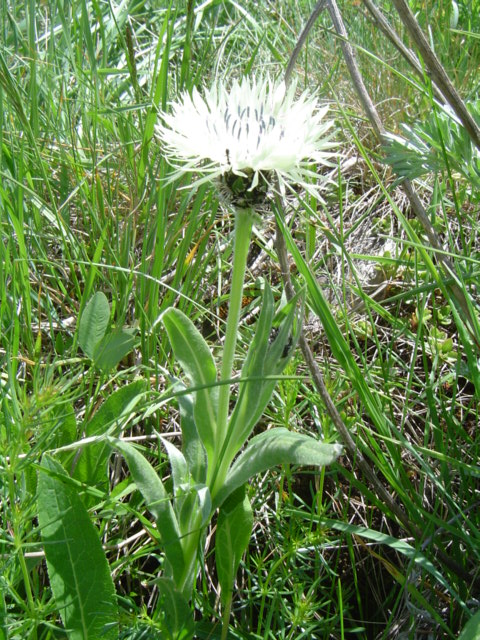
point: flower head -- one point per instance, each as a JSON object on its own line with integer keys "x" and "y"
{"x": 246, "y": 136}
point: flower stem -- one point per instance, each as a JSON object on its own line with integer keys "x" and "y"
{"x": 243, "y": 231}
{"x": 226, "y": 619}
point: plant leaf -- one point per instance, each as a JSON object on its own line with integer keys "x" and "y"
{"x": 112, "y": 348}
{"x": 93, "y": 323}
{"x": 157, "y": 502}
{"x": 192, "y": 447}
{"x": 471, "y": 631}
{"x": 267, "y": 356}
{"x": 196, "y": 359}
{"x": 194, "y": 509}
{"x": 77, "y": 567}
{"x": 271, "y": 448}
{"x": 178, "y": 617}
{"x": 92, "y": 462}
{"x": 234, "y": 528}
{"x": 178, "y": 464}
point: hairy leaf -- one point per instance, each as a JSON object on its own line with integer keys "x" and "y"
{"x": 234, "y": 528}
{"x": 77, "y": 567}
{"x": 271, "y": 448}
{"x": 157, "y": 502}
{"x": 196, "y": 359}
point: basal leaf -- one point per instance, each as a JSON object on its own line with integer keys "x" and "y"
{"x": 93, "y": 323}
{"x": 178, "y": 464}
{"x": 178, "y": 617}
{"x": 157, "y": 502}
{"x": 234, "y": 528}
{"x": 77, "y": 567}
{"x": 112, "y": 348}
{"x": 192, "y": 446}
{"x": 92, "y": 462}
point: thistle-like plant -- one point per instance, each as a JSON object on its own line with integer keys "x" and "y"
{"x": 250, "y": 140}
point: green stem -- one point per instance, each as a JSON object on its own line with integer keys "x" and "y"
{"x": 226, "y": 618}
{"x": 243, "y": 231}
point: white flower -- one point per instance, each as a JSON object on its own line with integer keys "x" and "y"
{"x": 245, "y": 135}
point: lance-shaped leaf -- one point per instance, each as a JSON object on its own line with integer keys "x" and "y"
{"x": 157, "y": 502}
{"x": 178, "y": 464}
{"x": 77, "y": 567}
{"x": 178, "y": 617}
{"x": 267, "y": 356}
{"x": 196, "y": 359}
{"x": 192, "y": 502}
{"x": 271, "y": 448}
{"x": 234, "y": 528}
{"x": 192, "y": 447}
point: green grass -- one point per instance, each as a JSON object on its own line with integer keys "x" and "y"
{"x": 83, "y": 208}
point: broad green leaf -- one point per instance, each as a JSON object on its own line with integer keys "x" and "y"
{"x": 91, "y": 465}
{"x": 234, "y": 528}
{"x": 192, "y": 447}
{"x": 178, "y": 616}
{"x": 271, "y": 448}
{"x": 157, "y": 502}
{"x": 471, "y": 631}
{"x": 77, "y": 567}
{"x": 112, "y": 348}
{"x": 196, "y": 359}
{"x": 93, "y": 323}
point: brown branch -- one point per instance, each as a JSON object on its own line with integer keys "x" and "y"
{"x": 281, "y": 249}
{"x": 301, "y": 40}
{"x": 436, "y": 70}
{"x": 379, "y": 129}
{"x": 407, "y": 53}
